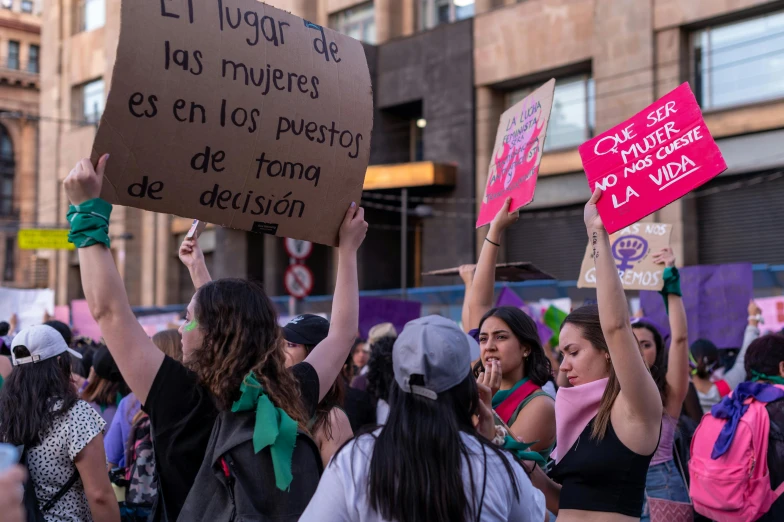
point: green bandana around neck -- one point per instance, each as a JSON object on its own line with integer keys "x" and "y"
{"x": 501, "y": 395}
{"x": 274, "y": 428}
{"x": 775, "y": 379}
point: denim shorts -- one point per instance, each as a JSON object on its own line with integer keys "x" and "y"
{"x": 664, "y": 481}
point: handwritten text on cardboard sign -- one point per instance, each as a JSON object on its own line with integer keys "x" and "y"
{"x": 238, "y": 114}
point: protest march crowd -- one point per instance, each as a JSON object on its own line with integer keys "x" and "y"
{"x": 232, "y": 417}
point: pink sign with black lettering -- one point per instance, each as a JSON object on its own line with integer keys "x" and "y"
{"x": 651, "y": 159}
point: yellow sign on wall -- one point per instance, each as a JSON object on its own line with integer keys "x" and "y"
{"x": 43, "y": 238}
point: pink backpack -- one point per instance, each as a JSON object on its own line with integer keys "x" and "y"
{"x": 735, "y": 487}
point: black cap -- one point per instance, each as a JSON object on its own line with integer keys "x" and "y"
{"x": 307, "y": 329}
{"x": 104, "y": 365}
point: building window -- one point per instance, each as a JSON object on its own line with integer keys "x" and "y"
{"x": 741, "y": 62}
{"x": 436, "y": 12}
{"x": 13, "y": 54}
{"x": 358, "y": 22}
{"x": 89, "y": 99}
{"x": 7, "y": 172}
{"x": 10, "y": 250}
{"x": 32, "y": 60}
{"x": 572, "y": 120}
{"x": 27, "y": 6}
{"x": 90, "y": 15}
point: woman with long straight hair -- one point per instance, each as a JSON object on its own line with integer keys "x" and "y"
{"x": 670, "y": 372}
{"x": 609, "y": 421}
{"x": 61, "y": 434}
{"x": 229, "y": 422}
{"x": 429, "y": 462}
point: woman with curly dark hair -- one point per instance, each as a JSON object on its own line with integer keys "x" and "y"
{"x": 228, "y": 424}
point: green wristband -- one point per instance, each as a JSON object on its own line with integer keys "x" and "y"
{"x": 89, "y": 223}
{"x": 672, "y": 285}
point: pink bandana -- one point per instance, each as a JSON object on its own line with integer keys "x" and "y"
{"x": 574, "y": 409}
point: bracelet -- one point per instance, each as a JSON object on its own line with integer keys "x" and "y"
{"x": 89, "y": 223}
{"x": 492, "y": 242}
{"x": 757, "y": 318}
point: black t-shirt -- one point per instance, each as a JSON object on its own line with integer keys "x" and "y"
{"x": 182, "y": 413}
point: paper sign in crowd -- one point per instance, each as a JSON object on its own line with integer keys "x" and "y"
{"x": 519, "y": 143}
{"x": 633, "y": 249}
{"x": 238, "y": 114}
{"x": 651, "y": 159}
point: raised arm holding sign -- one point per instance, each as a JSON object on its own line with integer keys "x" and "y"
{"x": 238, "y": 114}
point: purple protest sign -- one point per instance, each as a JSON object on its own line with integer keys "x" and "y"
{"x": 373, "y": 311}
{"x": 716, "y": 298}
{"x": 509, "y": 297}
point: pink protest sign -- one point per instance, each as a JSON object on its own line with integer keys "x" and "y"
{"x": 63, "y": 314}
{"x": 83, "y": 322}
{"x": 517, "y": 153}
{"x": 651, "y": 160}
{"x": 772, "y": 313}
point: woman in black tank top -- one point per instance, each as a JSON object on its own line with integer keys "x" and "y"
{"x": 609, "y": 422}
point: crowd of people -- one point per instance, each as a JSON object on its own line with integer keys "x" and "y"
{"x": 233, "y": 417}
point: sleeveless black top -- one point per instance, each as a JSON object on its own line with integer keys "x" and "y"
{"x": 602, "y": 475}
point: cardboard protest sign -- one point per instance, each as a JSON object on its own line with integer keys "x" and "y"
{"x": 239, "y": 114}
{"x": 517, "y": 153}
{"x": 716, "y": 298}
{"x": 517, "y": 271}
{"x": 772, "y": 313}
{"x": 633, "y": 249}
{"x": 651, "y": 160}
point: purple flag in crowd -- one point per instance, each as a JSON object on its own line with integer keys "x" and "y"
{"x": 509, "y": 297}
{"x": 373, "y": 311}
{"x": 716, "y": 298}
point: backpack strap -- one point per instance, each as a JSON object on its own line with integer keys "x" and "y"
{"x": 509, "y": 405}
{"x": 57, "y": 496}
{"x": 63, "y": 490}
{"x": 525, "y": 402}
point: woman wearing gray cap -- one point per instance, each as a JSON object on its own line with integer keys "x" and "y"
{"x": 429, "y": 462}
{"x": 61, "y": 434}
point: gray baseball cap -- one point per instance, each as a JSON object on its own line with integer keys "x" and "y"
{"x": 43, "y": 342}
{"x": 435, "y": 348}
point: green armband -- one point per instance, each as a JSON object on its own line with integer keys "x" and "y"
{"x": 672, "y": 285}
{"x": 89, "y": 223}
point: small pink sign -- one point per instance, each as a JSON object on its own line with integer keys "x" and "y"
{"x": 772, "y": 313}
{"x": 517, "y": 154}
{"x": 652, "y": 159}
{"x": 63, "y": 314}
{"x": 83, "y": 322}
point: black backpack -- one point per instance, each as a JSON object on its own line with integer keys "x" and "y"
{"x": 35, "y": 511}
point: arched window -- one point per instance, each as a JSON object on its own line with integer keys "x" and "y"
{"x": 7, "y": 171}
